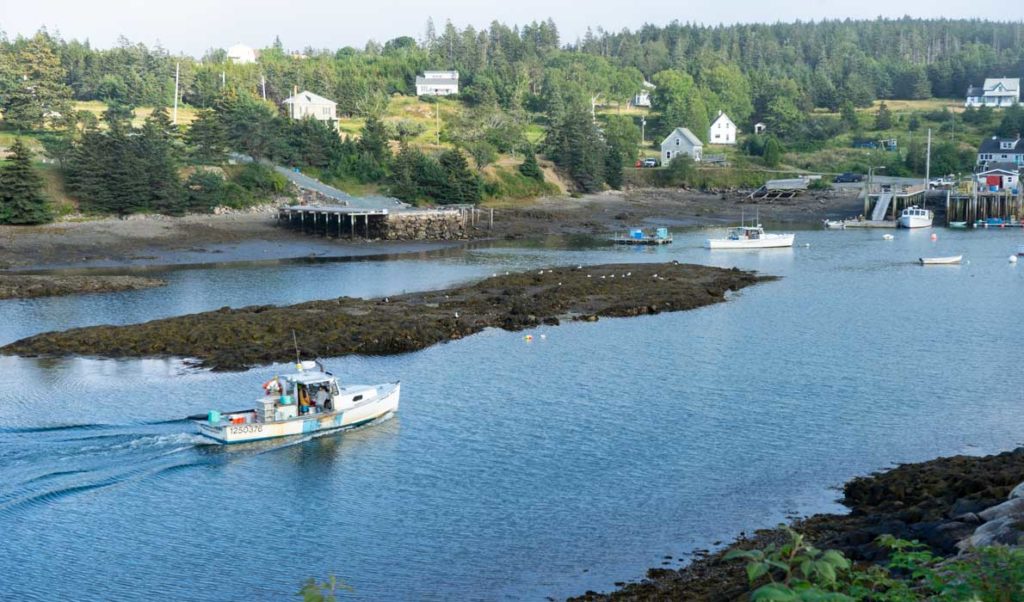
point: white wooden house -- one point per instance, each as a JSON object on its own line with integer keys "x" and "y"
{"x": 1001, "y": 150}
{"x": 681, "y": 142}
{"x": 996, "y": 92}
{"x": 722, "y": 130}
{"x": 437, "y": 83}
{"x": 241, "y": 54}
{"x": 306, "y": 104}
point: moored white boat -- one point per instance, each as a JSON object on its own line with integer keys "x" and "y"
{"x": 915, "y": 217}
{"x": 954, "y": 259}
{"x": 833, "y": 224}
{"x": 750, "y": 237}
{"x": 308, "y": 401}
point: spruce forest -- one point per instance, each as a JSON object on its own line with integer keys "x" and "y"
{"x": 524, "y": 91}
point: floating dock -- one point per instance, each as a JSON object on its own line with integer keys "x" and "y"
{"x": 637, "y": 236}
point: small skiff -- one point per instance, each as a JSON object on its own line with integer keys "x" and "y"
{"x": 955, "y": 259}
{"x": 958, "y": 225}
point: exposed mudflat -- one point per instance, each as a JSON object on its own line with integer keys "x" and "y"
{"x": 18, "y": 286}
{"x": 231, "y": 339}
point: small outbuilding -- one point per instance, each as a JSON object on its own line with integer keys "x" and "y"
{"x": 681, "y": 142}
{"x": 760, "y": 127}
{"x": 722, "y": 130}
{"x": 998, "y": 177}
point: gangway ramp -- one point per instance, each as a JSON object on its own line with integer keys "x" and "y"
{"x": 878, "y": 213}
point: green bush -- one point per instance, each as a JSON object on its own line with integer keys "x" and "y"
{"x": 799, "y": 572}
{"x": 261, "y": 180}
{"x": 511, "y": 184}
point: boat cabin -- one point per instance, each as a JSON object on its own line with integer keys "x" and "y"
{"x": 916, "y": 211}
{"x": 746, "y": 233}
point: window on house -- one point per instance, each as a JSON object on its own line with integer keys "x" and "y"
{"x": 677, "y": 141}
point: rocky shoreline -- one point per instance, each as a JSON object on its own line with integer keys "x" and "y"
{"x": 952, "y": 505}
{"x": 19, "y": 286}
{"x": 233, "y": 339}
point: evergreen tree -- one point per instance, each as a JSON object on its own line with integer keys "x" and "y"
{"x": 404, "y": 172}
{"x": 772, "y": 152}
{"x": 883, "y": 118}
{"x": 848, "y": 116}
{"x": 530, "y": 168}
{"x": 613, "y": 168}
{"x": 207, "y": 138}
{"x": 21, "y": 197}
{"x": 36, "y": 92}
{"x": 158, "y": 155}
{"x": 462, "y": 186}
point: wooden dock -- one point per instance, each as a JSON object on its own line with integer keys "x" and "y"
{"x": 334, "y": 220}
{"x": 339, "y": 221}
{"x": 978, "y": 207}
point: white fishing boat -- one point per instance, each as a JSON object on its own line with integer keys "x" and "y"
{"x": 750, "y": 237}
{"x": 952, "y": 260}
{"x": 915, "y": 217}
{"x": 830, "y": 224}
{"x": 309, "y": 401}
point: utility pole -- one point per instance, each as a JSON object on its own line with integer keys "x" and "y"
{"x": 223, "y": 79}
{"x": 177, "y": 73}
{"x": 928, "y": 161}
{"x": 263, "y": 85}
{"x": 643, "y": 124}
{"x": 437, "y": 121}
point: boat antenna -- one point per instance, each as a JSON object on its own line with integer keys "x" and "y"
{"x": 295, "y": 341}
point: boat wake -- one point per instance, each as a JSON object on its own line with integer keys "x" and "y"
{"x": 44, "y": 465}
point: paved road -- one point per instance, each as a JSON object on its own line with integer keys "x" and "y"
{"x": 307, "y": 183}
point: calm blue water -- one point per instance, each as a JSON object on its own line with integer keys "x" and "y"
{"x": 513, "y": 470}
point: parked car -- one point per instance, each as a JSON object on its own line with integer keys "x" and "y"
{"x": 848, "y": 177}
{"x": 944, "y": 182}
{"x": 649, "y": 162}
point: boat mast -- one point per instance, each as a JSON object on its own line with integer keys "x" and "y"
{"x": 927, "y": 169}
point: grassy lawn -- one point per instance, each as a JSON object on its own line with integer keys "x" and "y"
{"x": 186, "y": 114}
{"x": 411, "y": 109}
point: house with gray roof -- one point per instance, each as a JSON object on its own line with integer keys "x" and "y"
{"x": 437, "y": 83}
{"x": 681, "y": 142}
{"x": 1001, "y": 150}
{"x": 996, "y": 92}
{"x": 306, "y": 104}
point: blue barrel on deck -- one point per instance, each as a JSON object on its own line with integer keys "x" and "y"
{"x": 636, "y": 234}
{"x": 662, "y": 233}
{"x": 213, "y": 417}
{"x": 286, "y": 400}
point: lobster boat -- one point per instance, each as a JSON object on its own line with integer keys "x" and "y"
{"x": 311, "y": 400}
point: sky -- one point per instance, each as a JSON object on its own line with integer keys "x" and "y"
{"x": 193, "y": 26}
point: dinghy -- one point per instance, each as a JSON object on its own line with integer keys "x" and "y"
{"x": 955, "y": 259}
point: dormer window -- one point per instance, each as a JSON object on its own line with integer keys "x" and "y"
{"x": 1007, "y": 144}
